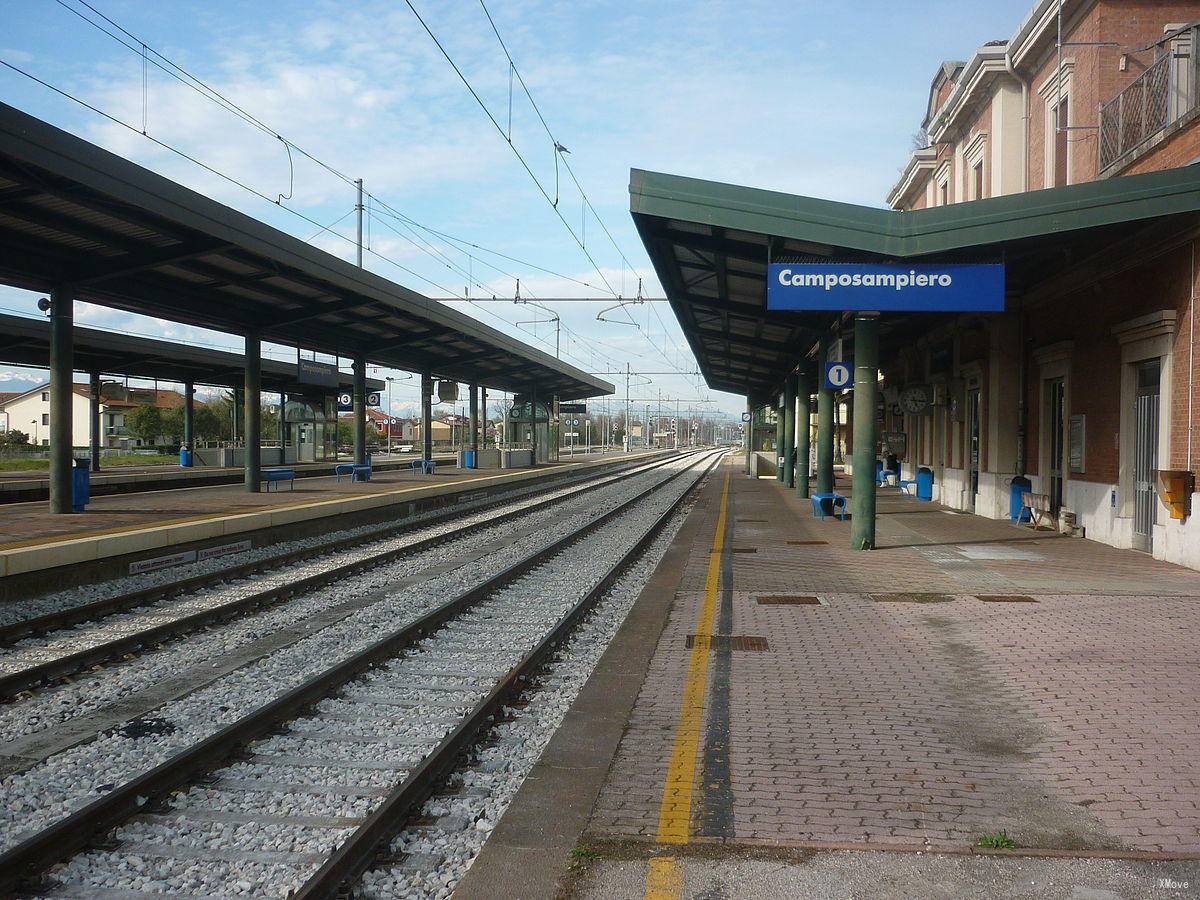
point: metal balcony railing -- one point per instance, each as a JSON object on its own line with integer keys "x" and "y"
{"x": 1160, "y": 96}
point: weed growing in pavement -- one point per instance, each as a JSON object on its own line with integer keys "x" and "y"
{"x": 583, "y": 854}
{"x": 997, "y": 841}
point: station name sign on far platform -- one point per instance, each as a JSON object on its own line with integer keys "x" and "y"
{"x": 918, "y": 287}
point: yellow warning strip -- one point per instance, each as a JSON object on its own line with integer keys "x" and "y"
{"x": 664, "y": 881}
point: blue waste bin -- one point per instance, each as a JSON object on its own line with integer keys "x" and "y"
{"x": 1016, "y": 487}
{"x": 468, "y": 459}
{"x": 185, "y": 457}
{"x": 924, "y": 483}
{"x": 81, "y": 485}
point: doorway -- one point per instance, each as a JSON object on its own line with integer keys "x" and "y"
{"x": 1056, "y": 397}
{"x": 1145, "y": 502}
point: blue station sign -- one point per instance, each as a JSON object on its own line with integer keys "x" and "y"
{"x": 919, "y": 287}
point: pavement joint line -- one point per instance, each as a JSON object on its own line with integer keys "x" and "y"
{"x": 664, "y": 879}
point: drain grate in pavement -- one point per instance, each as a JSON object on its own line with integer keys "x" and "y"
{"x": 789, "y": 600}
{"x": 740, "y": 519}
{"x": 744, "y": 550}
{"x": 806, "y": 543}
{"x": 911, "y": 598}
{"x": 1004, "y": 598}
{"x": 732, "y": 642}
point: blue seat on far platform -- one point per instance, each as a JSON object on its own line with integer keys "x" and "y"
{"x": 274, "y": 476}
{"x": 426, "y": 466}
{"x": 355, "y": 471}
{"x": 837, "y": 504}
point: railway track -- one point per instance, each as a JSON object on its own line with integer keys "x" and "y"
{"x": 48, "y": 664}
{"x": 302, "y": 792}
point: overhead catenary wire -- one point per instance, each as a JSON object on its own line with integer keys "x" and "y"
{"x": 149, "y": 56}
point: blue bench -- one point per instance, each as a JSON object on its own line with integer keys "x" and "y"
{"x": 905, "y": 483}
{"x": 355, "y": 471}
{"x": 834, "y": 500}
{"x": 274, "y": 476}
{"x": 881, "y": 477}
{"x": 427, "y": 466}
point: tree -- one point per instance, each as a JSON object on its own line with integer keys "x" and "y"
{"x": 145, "y": 422}
{"x": 210, "y": 424}
{"x": 13, "y": 440}
{"x": 172, "y": 424}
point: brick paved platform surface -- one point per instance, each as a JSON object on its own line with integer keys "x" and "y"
{"x": 885, "y": 717}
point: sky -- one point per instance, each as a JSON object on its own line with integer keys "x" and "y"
{"x": 814, "y": 98}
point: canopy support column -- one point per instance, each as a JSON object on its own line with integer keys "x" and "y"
{"x": 824, "y": 427}
{"x": 779, "y": 437}
{"x": 62, "y": 352}
{"x": 94, "y": 435}
{"x": 483, "y": 424}
{"x": 866, "y": 386}
{"x": 473, "y": 444}
{"x": 360, "y": 410}
{"x": 426, "y": 416}
{"x": 533, "y": 403}
{"x": 803, "y": 432}
{"x": 789, "y": 431}
{"x": 750, "y": 437}
{"x": 189, "y": 415}
{"x": 253, "y": 413}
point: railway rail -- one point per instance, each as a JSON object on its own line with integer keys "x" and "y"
{"x": 54, "y": 666}
{"x": 373, "y": 734}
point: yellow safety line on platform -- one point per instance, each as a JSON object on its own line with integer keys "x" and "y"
{"x": 664, "y": 881}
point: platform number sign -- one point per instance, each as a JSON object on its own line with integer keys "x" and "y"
{"x": 746, "y": 417}
{"x": 838, "y": 375}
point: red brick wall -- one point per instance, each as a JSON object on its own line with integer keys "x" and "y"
{"x": 1186, "y": 376}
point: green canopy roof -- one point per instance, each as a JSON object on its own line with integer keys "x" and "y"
{"x": 710, "y": 244}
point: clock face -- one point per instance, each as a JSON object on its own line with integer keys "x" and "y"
{"x": 914, "y": 399}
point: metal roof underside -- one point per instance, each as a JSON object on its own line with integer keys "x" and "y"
{"x": 710, "y": 243}
{"x": 129, "y": 239}
{"x": 26, "y": 342}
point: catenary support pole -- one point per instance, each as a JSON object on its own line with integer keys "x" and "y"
{"x": 95, "y": 441}
{"x": 789, "y": 431}
{"x": 824, "y": 427}
{"x": 360, "y": 410}
{"x": 533, "y": 404}
{"x": 866, "y": 385}
{"x": 62, "y": 323}
{"x": 282, "y": 429}
{"x": 253, "y": 413}
{"x": 426, "y": 416}
{"x": 803, "y": 432}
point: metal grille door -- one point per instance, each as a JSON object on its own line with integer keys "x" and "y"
{"x": 1145, "y": 456}
{"x": 1056, "y": 399}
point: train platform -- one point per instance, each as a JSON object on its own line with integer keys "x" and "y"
{"x": 147, "y": 528}
{"x": 30, "y": 486}
{"x": 974, "y": 708}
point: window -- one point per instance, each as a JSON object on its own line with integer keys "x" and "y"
{"x": 1061, "y": 118}
{"x": 45, "y": 396}
{"x": 944, "y": 194}
{"x": 977, "y": 175}
{"x": 45, "y": 418}
{"x": 45, "y": 442}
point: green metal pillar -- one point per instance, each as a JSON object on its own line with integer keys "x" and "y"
{"x": 866, "y": 386}
{"x": 789, "y": 431}
{"x": 252, "y": 398}
{"x": 750, "y": 470}
{"x": 359, "y": 369}
{"x": 779, "y": 438}
{"x": 803, "y": 432}
{"x": 62, "y": 350}
{"x": 824, "y": 427}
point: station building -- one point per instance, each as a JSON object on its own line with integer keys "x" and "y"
{"x": 1088, "y": 386}
{"x": 1067, "y": 154}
